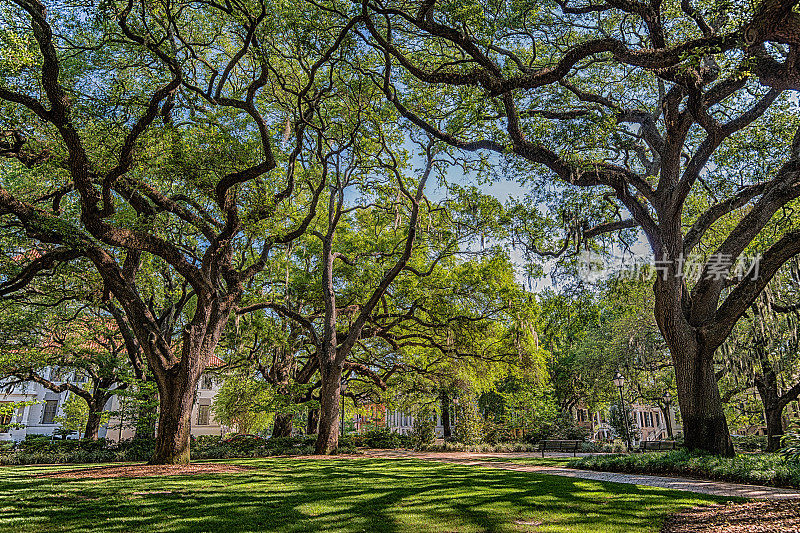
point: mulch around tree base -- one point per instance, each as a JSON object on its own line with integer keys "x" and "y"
{"x": 753, "y": 517}
{"x": 145, "y": 471}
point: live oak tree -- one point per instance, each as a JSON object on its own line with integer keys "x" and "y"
{"x": 762, "y": 352}
{"x": 573, "y": 333}
{"x": 274, "y": 365}
{"x": 378, "y": 183}
{"x": 374, "y": 277}
{"x": 162, "y": 142}
{"x": 458, "y": 317}
{"x": 242, "y": 403}
{"x": 665, "y": 116}
{"x": 56, "y": 332}
{"x": 67, "y": 350}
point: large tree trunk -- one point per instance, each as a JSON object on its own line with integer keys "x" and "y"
{"x": 774, "y": 415}
{"x": 177, "y": 384}
{"x": 282, "y": 427}
{"x": 93, "y": 420}
{"x": 704, "y": 424}
{"x": 446, "y": 431}
{"x": 766, "y": 383}
{"x": 176, "y": 397}
{"x": 684, "y": 327}
{"x": 330, "y": 370}
{"x": 313, "y": 422}
{"x": 330, "y": 394}
{"x": 767, "y": 387}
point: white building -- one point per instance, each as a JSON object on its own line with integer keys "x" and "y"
{"x": 39, "y": 417}
{"x": 649, "y": 423}
{"x": 397, "y": 421}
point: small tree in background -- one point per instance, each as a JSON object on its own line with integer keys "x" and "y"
{"x": 75, "y": 414}
{"x": 627, "y": 433}
{"x": 468, "y": 420}
{"x": 243, "y": 403}
{"x": 423, "y": 430}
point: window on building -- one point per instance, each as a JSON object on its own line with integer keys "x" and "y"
{"x": 207, "y": 383}
{"x": 80, "y": 377}
{"x": 203, "y": 415}
{"x": 49, "y": 412}
{"x": 56, "y": 374}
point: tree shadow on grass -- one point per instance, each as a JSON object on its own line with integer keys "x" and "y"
{"x": 337, "y": 495}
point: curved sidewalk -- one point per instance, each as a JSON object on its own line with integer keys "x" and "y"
{"x": 715, "y": 488}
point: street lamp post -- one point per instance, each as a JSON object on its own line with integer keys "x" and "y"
{"x": 667, "y": 413}
{"x": 619, "y": 381}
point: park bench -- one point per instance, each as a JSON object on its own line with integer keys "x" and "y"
{"x": 565, "y": 446}
{"x": 657, "y": 445}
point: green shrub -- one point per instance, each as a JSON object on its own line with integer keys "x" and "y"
{"x": 750, "y": 443}
{"x": 560, "y": 428}
{"x": 495, "y": 431}
{"x": 381, "y": 438}
{"x": 376, "y": 437}
{"x": 469, "y": 424}
{"x": 791, "y": 445}
{"x": 46, "y": 444}
{"x": 482, "y": 448}
{"x": 758, "y": 469}
{"x": 423, "y": 432}
{"x": 140, "y": 449}
{"x": 602, "y": 447}
{"x": 46, "y": 451}
{"x": 290, "y": 443}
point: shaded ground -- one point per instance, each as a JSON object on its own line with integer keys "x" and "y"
{"x": 107, "y": 472}
{"x": 332, "y": 495}
{"x": 751, "y": 517}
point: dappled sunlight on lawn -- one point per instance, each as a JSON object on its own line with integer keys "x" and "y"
{"x": 292, "y": 495}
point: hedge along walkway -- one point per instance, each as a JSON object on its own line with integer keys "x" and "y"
{"x": 714, "y": 488}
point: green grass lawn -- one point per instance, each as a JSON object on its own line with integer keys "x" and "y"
{"x": 290, "y": 495}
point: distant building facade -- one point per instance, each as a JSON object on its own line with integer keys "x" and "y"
{"x": 395, "y": 420}
{"x": 649, "y": 423}
{"x": 39, "y": 418}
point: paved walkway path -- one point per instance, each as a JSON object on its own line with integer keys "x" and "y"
{"x": 716, "y": 488}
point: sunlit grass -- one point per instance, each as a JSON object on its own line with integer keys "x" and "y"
{"x": 758, "y": 468}
{"x": 293, "y": 495}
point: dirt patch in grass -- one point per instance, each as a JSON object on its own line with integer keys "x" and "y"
{"x": 106, "y": 472}
{"x": 752, "y": 517}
